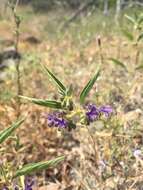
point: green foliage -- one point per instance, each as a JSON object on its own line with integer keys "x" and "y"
{"x": 89, "y": 86}
{"x": 66, "y": 93}
{"x": 34, "y": 167}
{"x": 140, "y": 67}
{"x": 117, "y": 62}
{"x": 137, "y": 25}
{"x": 45, "y": 103}
{"x": 7, "y": 132}
{"x": 131, "y": 19}
{"x": 140, "y": 37}
{"x": 8, "y": 172}
{"x": 61, "y": 87}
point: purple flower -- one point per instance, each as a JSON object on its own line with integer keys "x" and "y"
{"x": 92, "y": 112}
{"x": 28, "y": 184}
{"x": 56, "y": 119}
{"x": 107, "y": 110}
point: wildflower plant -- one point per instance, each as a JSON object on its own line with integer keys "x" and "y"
{"x": 137, "y": 25}
{"x": 10, "y": 172}
{"x": 136, "y": 34}
{"x": 17, "y": 20}
{"x": 68, "y": 113}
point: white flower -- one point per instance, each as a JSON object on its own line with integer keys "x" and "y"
{"x": 137, "y": 153}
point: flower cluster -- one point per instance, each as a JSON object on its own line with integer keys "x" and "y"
{"x": 92, "y": 113}
{"x": 28, "y": 184}
{"x": 56, "y": 119}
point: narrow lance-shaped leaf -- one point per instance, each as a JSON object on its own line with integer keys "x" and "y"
{"x": 34, "y": 167}
{"x": 140, "y": 21}
{"x": 131, "y": 19}
{"x": 46, "y": 103}
{"x": 140, "y": 37}
{"x": 60, "y": 85}
{"x": 7, "y": 132}
{"x": 117, "y": 62}
{"x": 139, "y": 67}
{"x": 88, "y": 87}
{"x": 136, "y": 16}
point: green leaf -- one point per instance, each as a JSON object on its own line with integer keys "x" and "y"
{"x": 136, "y": 16}
{"x": 7, "y": 132}
{"x": 131, "y": 19}
{"x": 88, "y": 87}
{"x": 34, "y": 167}
{"x": 139, "y": 67}
{"x": 117, "y": 62}
{"x": 140, "y": 37}
{"x": 128, "y": 35}
{"x": 61, "y": 87}
{"x": 46, "y": 103}
{"x": 69, "y": 91}
{"x": 140, "y": 21}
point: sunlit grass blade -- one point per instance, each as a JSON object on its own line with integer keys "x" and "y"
{"x": 139, "y": 67}
{"x": 60, "y": 85}
{"x": 34, "y": 167}
{"x": 88, "y": 87}
{"x": 131, "y": 19}
{"x": 140, "y": 21}
{"x": 140, "y": 37}
{"x": 46, "y": 103}
{"x": 117, "y": 62}
{"x": 128, "y": 35}
{"x": 7, "y": 132}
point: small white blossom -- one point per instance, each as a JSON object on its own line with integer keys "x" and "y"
{"x": 137, "y": 153}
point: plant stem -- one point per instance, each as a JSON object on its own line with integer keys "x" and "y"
{"x": 17, "y": 21}
{"x": 100, "y": 50}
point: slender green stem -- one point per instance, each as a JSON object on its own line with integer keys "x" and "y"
{"x": 17, "y": 21}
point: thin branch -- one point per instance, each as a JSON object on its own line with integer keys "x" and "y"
{"x": 81, "y": 9}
